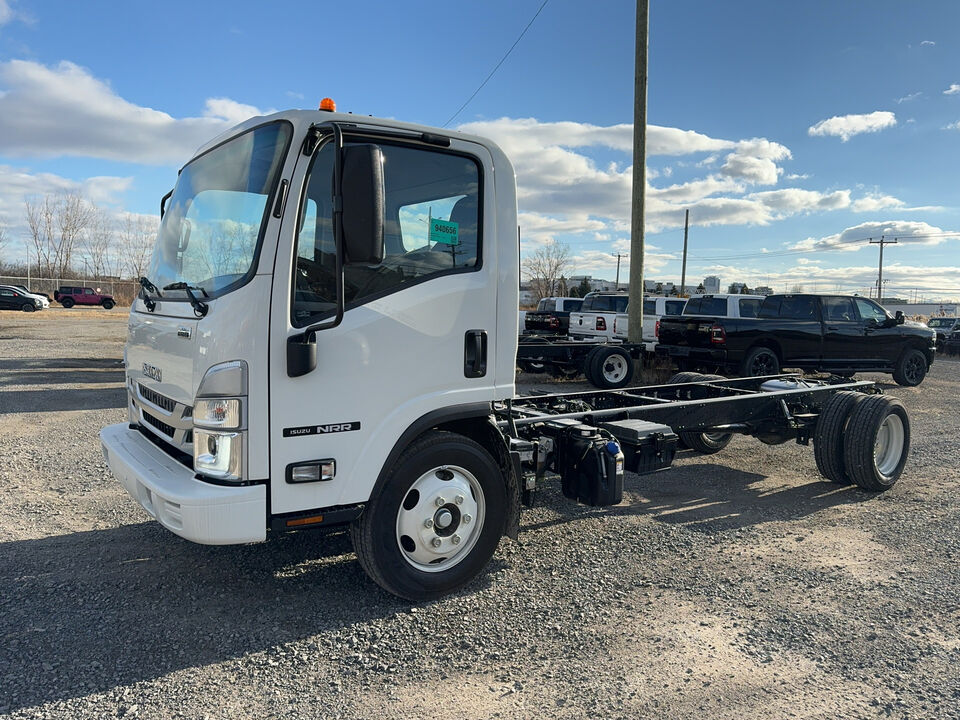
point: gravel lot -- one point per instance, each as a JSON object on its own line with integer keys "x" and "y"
{"x": 734, "y": 586}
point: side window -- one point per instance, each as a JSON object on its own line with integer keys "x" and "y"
{"x": 572, "y": 305}
{"x": 431, "y": 228}
{"x": 7, "y": 293}
{"x": 620, "y": 303}
{"x": 838, "y": 309}
{"x": 649, "y": 307}
{"x": 749, "y": 307}
{"x": 88, "y": 291}
{"x": 547, "y": 305}
{"x": 869, "y": 310}
{"x": 675, "y": 307}
{"x": 799, "y": 307}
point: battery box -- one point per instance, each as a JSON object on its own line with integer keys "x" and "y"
{"x": 647, "y": 446}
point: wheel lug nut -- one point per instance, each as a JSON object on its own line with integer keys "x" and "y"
{"x": 466, "y": 519}
{"x": 436, "y": 542}
{"x": 455, "y": 539}
{"x": 428, "y": 523}
{"x": 440, "y": 502}
{"x": 459, "y": 500}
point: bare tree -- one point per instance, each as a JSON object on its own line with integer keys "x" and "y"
{"x": 56, "y": 224}
{"x": 99, "y": 244}
{"x": 135, "y": 237}
{"x": 545, "y": 267}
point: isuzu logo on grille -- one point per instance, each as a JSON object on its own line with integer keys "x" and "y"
{"x": 152, "y": 371}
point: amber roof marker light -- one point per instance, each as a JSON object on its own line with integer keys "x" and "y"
{"x": 328, "y": 104}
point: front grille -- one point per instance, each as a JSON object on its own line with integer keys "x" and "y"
{"x": 167, "y": 430}
{"x": 157, "y": 399}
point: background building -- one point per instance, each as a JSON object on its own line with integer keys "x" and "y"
{"x": 711, "y": 284}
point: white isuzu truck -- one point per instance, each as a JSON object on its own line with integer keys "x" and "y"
{"x": 327, "y": 336}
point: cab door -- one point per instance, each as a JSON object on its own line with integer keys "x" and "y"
{"x": 418, "y": 334}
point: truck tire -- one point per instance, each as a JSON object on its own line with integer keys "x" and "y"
{"x": 67, "y": 303}
{"x": 434, "y": 520}
{"x": 612, "y": 368}
{"x": 878, "y": 442}
{"x": 588, "y": 366}
{"x": 760, "y": 361}
{"x": 703, "y": 442}
{"x": 107, "y": 304}
{"x": 28, "y": 307}
{"x": 911, "y": 368}
{"x": 830, "y": 433}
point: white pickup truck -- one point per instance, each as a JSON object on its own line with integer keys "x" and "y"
{"x": 596, "y": 316}
{"x": 653, "y": 309}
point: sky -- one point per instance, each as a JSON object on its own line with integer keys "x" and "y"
{"x": 793, "y": 132}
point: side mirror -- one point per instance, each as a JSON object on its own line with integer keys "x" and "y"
{"x": 363, "y": 205}
{"x": 899, "y": 317}
{"x": 872, "y": 322}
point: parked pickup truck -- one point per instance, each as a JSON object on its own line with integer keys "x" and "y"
{"x": 596, "y": 316}
{"x": 552, "y": 316}
{"x": 943, "y": 326}
{"x": 70, "y": 296}
{"x": 835, "y": 333}
{"x": 653, "y": 309}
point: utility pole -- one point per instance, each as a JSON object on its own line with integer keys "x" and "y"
{"x": 635, "y": 307}
{"x": 618, "y": 270}
{"x": 881, "y": 242}
{"x": 683, "y": 272}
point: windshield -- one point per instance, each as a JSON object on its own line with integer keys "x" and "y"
{"x": 211, "y": 231}
{"x": 941, "y": 322}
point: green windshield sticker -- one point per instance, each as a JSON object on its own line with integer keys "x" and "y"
{"x": 444, "y": 231}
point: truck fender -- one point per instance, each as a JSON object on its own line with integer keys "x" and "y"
{"x": 472, "y": 420}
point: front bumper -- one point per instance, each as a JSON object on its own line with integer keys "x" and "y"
{"x": 196, "y": 510}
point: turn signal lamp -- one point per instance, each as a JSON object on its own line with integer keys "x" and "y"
{"x": 328, "y": 104}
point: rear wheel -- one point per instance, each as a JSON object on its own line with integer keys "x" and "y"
{"x": 878, "y": 442}
{"x": 829, "y": 436}
{"x": 588, "y": 366}
{"x": 28, "y": 307}
{"x": 759, "y": 362}
{"x": 67, "y": 303}
{"x": 707, "y": 443}
{"x": 612, "y": 368}
{"x": 435, "y": 521}
{"x": 911, "y": 368}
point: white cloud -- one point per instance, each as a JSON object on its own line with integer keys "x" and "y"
{"x": 846, "y": 126}
{"x": 908, "y": 98}
{"x": 953, "y": 89}
{"x": 64, "y": 110}
{"x": 952, "y": 126}
{"x": 6, "y": 13}
{"x": 856, "y": 237}
{"x": 794, "y": 201}
{"x": 872, "y": 203}
{"x": 927, "y": 42}
{"x": 797, "y": 176}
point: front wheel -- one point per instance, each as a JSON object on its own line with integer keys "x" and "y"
{"x": 434, "y": 522}
{"x": 107, "y": 304}
{"x": 28, "y": 307}
{"x": 612, "y": 368}
{"x": 67, "y": 303}
{"x": 911, "y": 368}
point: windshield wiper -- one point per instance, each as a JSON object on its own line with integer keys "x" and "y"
{"x": 199, "y": 307}
{"x": 145, "y": 286}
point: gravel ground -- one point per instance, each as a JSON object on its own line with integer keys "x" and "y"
{"x": 737, "y": 585}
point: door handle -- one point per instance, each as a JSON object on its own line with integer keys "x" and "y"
{"x": 475, "y": 353}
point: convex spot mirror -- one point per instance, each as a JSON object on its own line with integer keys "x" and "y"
{"x": 363, "y": 205}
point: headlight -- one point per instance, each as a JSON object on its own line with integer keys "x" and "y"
{"x": 219, "y": 421}
{"x": 218, "y": 454}
{"x": 218, "y": 413}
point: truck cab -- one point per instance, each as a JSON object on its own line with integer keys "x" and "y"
{"x": 325, "y": 292}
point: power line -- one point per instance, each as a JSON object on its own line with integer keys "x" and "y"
{"x": 516, "y": 42}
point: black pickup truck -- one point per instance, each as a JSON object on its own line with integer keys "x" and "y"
{"x": 552, "y": 316}
{"x": 834, "y": 333}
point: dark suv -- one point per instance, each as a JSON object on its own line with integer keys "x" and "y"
{"x": 68, "y": 296}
